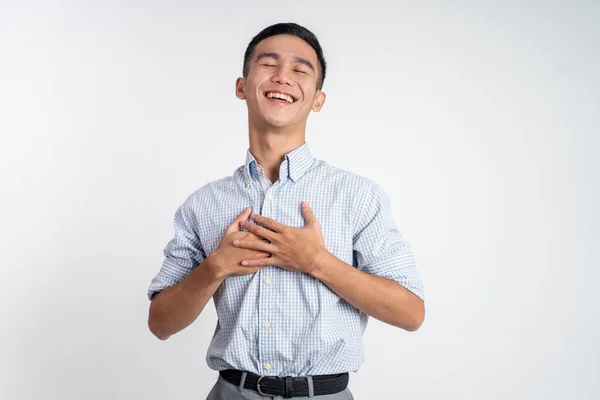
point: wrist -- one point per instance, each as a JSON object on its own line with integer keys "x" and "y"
{"x": 215, "y": 266}
{"x": 320, "y": 262}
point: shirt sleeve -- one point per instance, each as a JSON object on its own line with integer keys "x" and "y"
{"x": 184, "y": 251}
{"x": 379, "y": 248}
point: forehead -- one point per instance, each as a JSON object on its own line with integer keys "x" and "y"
{"x": 287, "y": 46}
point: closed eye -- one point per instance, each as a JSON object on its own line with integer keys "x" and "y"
{"x": 302, "y": 72}
{"x": 269, "y": 65}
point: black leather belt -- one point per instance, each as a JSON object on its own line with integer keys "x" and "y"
{"x": 289, "y": 386}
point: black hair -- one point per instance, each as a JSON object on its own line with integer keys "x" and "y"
{"x": 288, "y": 28}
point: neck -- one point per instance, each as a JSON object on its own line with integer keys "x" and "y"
{"x": 269, "y": 146}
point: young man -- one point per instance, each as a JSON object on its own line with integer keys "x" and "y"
{"x": 294, "y": 276}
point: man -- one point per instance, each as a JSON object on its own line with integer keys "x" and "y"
{"x": 294, "y": 276}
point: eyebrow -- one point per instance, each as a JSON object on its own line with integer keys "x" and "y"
{"x": 294, "y": 59}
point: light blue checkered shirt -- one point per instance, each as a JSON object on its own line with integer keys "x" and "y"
{"x": 278, "y": 322}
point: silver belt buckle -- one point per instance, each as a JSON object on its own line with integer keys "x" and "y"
{"x": 258, "y": 387}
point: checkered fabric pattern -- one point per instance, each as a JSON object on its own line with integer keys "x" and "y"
{"x": 277, "y": 322}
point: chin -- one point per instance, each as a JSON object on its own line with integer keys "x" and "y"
{"x": 281, "y": 122}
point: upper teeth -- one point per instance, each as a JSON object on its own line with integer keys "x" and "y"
{"x": 280, "y": 96}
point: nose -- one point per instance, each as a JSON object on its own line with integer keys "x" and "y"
{"x": 282, "y": 75}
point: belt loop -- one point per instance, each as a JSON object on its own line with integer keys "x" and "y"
{"x": 311, "y": 391}
{"x": 242, "y": 381}
{"x": 288, "y": 387}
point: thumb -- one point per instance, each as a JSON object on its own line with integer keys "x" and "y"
{"x": 235, "y": 225}
{"x": 309, "y": 217}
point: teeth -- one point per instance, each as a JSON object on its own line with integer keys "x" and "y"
{"x": 282, "y": 96}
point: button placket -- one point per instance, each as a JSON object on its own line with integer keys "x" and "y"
{"x": 267, "y": 294}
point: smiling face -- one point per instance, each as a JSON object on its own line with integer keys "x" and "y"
{"x": 280, "y": 88}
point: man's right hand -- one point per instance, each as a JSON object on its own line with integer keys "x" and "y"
{"x": 227, "y": 258}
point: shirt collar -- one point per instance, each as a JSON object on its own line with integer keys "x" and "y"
{"x": 294, "y": 165}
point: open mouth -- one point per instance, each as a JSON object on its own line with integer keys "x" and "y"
{"x": 280, "y": 97}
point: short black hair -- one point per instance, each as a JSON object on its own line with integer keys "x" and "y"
{"x": 288, "y": 28}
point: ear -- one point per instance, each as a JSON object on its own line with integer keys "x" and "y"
{"x": 240, "y": 88}
{"x": 319, "y": 101}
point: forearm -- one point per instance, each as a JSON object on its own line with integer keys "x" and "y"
{"x": 178, "y": 306}
{"x": 376, "y": 296}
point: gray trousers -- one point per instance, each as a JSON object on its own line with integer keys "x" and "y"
{"x": 223, "y": 390}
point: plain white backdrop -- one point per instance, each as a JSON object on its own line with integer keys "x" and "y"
{"x": 480, "y": 119}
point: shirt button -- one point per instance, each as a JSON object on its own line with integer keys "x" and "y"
{"x": 267, "y": 325}
{"x": 268, "y": 281}
{"x": 270, "y": 196}
{"x": 293, "y": 177}
{"x": 259, "y": 169}
{"x": 267, "y": 366}
{"x": 247, "y": 180}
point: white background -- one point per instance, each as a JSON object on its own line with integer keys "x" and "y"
{"x": 480, "y": 119}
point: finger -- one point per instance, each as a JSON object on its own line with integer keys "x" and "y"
{"x": 254, "y": 245}
{"x": 235, "y": 225}
{"x": 269, "y": 223}
{"x": 309, "y": 216}
{"x": 263, "y": 262}
{"x": 258, "y": 230}
{"x": 261, "y": 254}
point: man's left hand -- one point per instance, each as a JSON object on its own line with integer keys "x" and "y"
{"x": 295, "y": 249}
